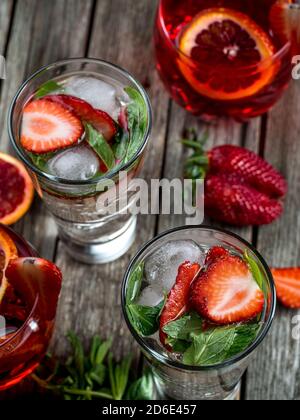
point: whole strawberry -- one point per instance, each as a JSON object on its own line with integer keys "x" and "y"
{"x": 255, "y": 170}
{"x": 231, "y": 200}
{"x": 241, "y": 188}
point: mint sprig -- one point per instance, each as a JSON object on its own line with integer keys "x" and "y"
{"x": 217, "y": 345}
{"x": 93, "y": 375}
{"x": 207, "y": 347}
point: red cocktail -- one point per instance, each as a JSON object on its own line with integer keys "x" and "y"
{"x": 29, "y": 291}
{"x": 222, "y": 58}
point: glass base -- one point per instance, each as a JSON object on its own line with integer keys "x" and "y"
{"x": 234, "y": 395}
{"x": 101, "y": 253}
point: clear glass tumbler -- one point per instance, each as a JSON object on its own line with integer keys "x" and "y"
{"x": 173, "y": 379}
{"x": 90, "y": 234}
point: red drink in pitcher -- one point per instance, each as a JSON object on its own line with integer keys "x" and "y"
{"x": 29, "y": 291}
{"x": 223, "y": 58}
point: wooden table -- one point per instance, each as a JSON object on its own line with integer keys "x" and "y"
{"x": 38, "y": 32}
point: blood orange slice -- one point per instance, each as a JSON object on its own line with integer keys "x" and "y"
{"x": 218, "y": 45}
{"x": 16, "y": 190}
{"x": 8, "y": 251}
{"x": 285, "y": 22}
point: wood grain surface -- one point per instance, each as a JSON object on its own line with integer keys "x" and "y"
{"x": 37, "y": 32}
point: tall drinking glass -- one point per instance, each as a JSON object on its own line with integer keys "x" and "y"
{"x": 175, "y": 380}
{"x": 90, "y": 234}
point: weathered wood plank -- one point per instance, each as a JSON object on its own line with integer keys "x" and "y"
{"x": 275, "y": 372}
{"x": 90, "y": 301}
{"x": 42, "y": 32}
{"x": 6, "y": 8}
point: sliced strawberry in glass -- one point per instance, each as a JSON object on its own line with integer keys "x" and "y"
{"x": 100, "y": 120}
{"x": 177, "y": 300}
{"x": 227, "y": 293}
{"x": 47, "y": 127}
{"x": 38, "y": 282}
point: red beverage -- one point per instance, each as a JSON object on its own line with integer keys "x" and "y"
{"x": 29, "y": 291}
{"x": 222, "y": 58}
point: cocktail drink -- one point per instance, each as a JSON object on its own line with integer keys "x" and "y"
{"x": 78, "y": 125}
{"x": 29, "y": 292}
{"x": 228, "y": 58}
{"x": 198, "y": 301}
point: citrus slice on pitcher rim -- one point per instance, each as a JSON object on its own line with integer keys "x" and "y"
{"x": 16, "y": 190}
{"x": 224, "y": 52}
{"x": 8, "y": 252}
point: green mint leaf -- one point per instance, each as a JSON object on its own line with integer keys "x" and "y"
{"x": 219, "y": 344}
{"x": 144, "y": 319}
{"x": 183, "y": 327}
{"x": 142, "y": 389}
{"x": 137, "y": 117}
{"x": 178, "y": 346}
{"x": 119, "y": 376}
{"x": 134, "y": 283}
{"x": 40, "y": 161}
{"x": 47, "y": 88}
{"x": 121, "y": 144}
{"x": 209, "y": 347}
{"x": 244, "y": 336}
{"x": 255, "y": 270}
{"x": 100, "y": 146}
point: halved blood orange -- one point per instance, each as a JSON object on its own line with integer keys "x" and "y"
{"x": 217, "y": 46}
{"x": 16, "y": 190}
{"x": 8, "y": 251}
{"x": 285, "y": 22}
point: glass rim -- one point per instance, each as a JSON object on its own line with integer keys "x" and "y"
{"x": 26, "y": 160}
{"x": 274, "y": 56}
{"x": 23, "y": 327}
{"x": 178, "y": 365}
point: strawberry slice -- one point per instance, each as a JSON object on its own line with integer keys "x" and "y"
{"x": 47, "y": 127}
{"x": 35, "y": 278}
{"x": 215, "y": 254}
{"x": 100, "y": 120}
{"x": 227, "y": 293}
{"x": 287, "y": 282}
{"x": 177, "y": 300}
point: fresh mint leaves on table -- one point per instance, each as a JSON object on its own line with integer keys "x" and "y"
{"x": 94, "y": 375}
{"x": 144, "y": 319}
{"x": 47, "y": 88}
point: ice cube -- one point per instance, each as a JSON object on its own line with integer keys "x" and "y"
{"x": 150, "y": 296}
{"x": 99, "y": 94}
{"x": 161, "y": 268}
{"x": 79, "y": 163}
